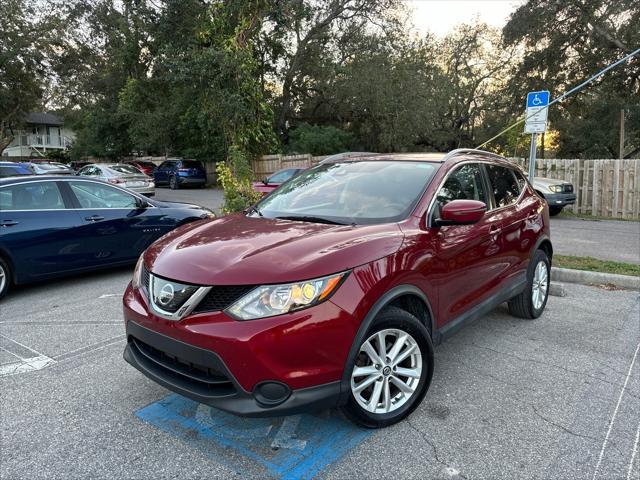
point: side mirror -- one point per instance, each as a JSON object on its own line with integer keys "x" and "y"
{"x": 265, "y": 180}
{"x": 461, "y": 212}
{"x": 141, "y": 203}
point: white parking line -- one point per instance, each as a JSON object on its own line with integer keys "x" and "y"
{"x": 24, "y": 364}
{"x": 615, "y": 413}
{"x": 633, "y": 454}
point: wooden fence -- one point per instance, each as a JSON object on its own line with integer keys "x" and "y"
{"x": 604, "y": 187}
{"x": 607, "y": 188}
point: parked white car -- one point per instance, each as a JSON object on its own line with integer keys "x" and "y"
{"x": 557, "y": 193}
{"x": 122, "y": 175}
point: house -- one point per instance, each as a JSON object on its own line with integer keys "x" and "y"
{"x": 42, "y": 131}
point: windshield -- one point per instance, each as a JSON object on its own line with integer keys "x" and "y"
{"x": 362, "y": 192}
{"x": 125, "y": 169}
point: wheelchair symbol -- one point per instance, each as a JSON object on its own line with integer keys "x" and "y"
{"x": 536, "y": 100}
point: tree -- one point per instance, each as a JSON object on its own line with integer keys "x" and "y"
{"x": 564, "y": 43}
{"x": 28, "y": 38}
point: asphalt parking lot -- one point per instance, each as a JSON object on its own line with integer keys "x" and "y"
{"x": 553, "y": 398}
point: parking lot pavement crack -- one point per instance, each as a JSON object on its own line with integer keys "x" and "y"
{"x": 451, "y": 471}
{"x": 562, "y": 427}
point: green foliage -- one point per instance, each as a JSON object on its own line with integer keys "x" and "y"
{"x": 319, "y": 140}
{"x": 235, "y": 178}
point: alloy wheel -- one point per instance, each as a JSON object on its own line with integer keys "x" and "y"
{"x": 3, "y": 278}
{"x": 387, "y": 371}
{"x": 540, "y": 285}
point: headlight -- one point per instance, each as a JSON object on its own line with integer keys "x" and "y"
{"x": 270, "y": 300}
{"x": 137, "y": 273}
{"x": 555, "y": 188}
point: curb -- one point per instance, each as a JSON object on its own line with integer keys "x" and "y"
{"x": 589, "y": 278}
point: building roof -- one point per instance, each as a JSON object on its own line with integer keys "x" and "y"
{"x": 44, "y": 118}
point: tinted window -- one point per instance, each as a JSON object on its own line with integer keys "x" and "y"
{"x": 464, "y": 183}
{"x": 352, "y": 192}
{"x": 191, "y": 164}
{"x": 282, "y": 176}
{"x": 90, "y": 170}
{"x": 504, "y": 185}
{"x": 31, "y": 196}
{"x": 97, "y": 195}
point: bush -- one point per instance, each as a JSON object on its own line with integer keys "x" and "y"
{"x": 319, "y": 140}
{"x": 235, "y": 177}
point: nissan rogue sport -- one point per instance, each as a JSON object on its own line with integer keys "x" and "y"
{"x": 332, "y": 290}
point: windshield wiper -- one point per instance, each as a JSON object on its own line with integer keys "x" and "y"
{"x": 305, "y": 218}
{"x": 254, "y": 209}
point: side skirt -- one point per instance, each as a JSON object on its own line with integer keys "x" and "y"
{"x": 516, "y": 287}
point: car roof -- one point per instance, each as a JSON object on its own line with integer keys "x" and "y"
{"x": 411, "y": 157}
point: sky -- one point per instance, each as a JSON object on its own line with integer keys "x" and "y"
{"x": 440, "y": 16}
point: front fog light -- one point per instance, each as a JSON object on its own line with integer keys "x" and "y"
{"x": 271, "y": 300}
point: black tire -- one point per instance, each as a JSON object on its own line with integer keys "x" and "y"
{"x": 398, "y": 319}
{"x": 173, "y": 183}
{"x": 522, "y": 305}
{"x": 5, "y": 277}
{"x": 553, "y": 211}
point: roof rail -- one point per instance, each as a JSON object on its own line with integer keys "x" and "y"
{"x": 459, "y": 151}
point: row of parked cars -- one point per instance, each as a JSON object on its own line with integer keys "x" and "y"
{"x": 138, "y": 176}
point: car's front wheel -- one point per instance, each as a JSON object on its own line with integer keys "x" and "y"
{"x": 5, "y": 277}
{"x": 173, "y": 183}
{"x": 392, "y": 370}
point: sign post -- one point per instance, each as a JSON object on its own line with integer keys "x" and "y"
{"x": 535, "y": 122}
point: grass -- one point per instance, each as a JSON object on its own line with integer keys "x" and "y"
{"x": 594, "y": 265}
{"x": 586, "y": 216}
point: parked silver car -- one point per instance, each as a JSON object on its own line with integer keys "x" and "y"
{"x": 122, "y": 175}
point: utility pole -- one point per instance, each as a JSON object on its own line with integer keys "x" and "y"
{"x": 621, "y": 133}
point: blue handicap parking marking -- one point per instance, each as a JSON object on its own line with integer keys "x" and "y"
{"x": 295, "y": 447}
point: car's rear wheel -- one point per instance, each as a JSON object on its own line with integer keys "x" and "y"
{"x": 531, "y": 302}
{"x": 173, "y": 183}
{"x": 392, "y": 370}
{"x": 5, "y": 277}
{"x": 553, "y": 211}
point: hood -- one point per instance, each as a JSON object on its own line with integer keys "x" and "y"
{"x": 240, "y": 250}
{"x": 163, "y": 204}
{"x": 545, "y": 182}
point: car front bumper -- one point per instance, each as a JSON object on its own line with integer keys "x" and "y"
{"x": 268, "y": 367}
{"x": 560, "y": 199}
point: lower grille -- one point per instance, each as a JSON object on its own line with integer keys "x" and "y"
{"x": 205, "y": 380}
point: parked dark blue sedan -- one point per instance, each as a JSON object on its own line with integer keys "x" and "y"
{"x": 63, "y": 225}
{"x": 176, "y": 173}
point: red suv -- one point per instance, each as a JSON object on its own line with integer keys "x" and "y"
{"x": 332, "y": 290}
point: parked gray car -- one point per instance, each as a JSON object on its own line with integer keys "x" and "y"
{"x": 122, "y": 175}
{"x": 50, "y": 168}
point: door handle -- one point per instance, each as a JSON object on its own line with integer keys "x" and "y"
{"x": 94, "y": 218}
{"x": 493, "y": 230}
{"x": 8, "y": 223}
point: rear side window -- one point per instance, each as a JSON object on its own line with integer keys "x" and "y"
{"x": 504, "y": 185}
{"x": 31, "y": 196}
